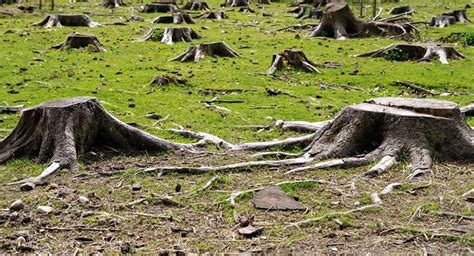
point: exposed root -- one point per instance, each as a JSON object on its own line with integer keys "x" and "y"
{"x": 376, "y": 197}
{"x": 279, "y": 155}
{"x": 293, "y": 58}
{"x": 31, "y": 183}
{"x": 403, "y": 52}
{"x": 196, "y": 53}
{"x": 208, "y": 185}
{"x": 383, "y": 166}
{"x": 308, "y": 222}
{"x": 337, "y": 163}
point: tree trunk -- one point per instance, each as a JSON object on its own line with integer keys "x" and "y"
{"x": 176, "y": 18}
{"x": 339, "y": 22}
{"x": 292, "y": 58}
{"x": 80, "y": 41}
{"x": 62, "y": 130}
{"x": 198, "y": 52}
{"x": 66, "y": 20}
{"x": 404, "y": 52}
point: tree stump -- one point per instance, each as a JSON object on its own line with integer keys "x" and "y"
{"x": 170, "y": 35}
{"x": 235, "y": 3}
{"x": 384, "y": 128}
{"x": 60, "y": 131}
{"x": 459, "y": 15}
{"x": 441, "y": 21}
{"x": 198, "y": 52}
{"x": 196, "y": 6}
{"x": 405, "y": 52}
{"x": 165, "y": 80}
{"x": 338, "y": 22}
{"x": 112, "y": 3}
{"x": 66, "y": 20}
{"x": 160, "y": 7}
{"x": 216, "y": 15}
{"x": 77, "y": 41}
{"x": 175, "y": 18}
{"x": 406, "y": 9}
{"x": 292, "y": 58}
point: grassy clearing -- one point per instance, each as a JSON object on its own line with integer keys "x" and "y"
{"x": 31, "y": 73}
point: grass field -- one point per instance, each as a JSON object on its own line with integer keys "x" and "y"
{"x": 31, "y": 73}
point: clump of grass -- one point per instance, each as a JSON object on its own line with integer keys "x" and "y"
{"x": 158, "y": 35}
{"x": 396, "y": 55}
{"x": 464, "y": 38}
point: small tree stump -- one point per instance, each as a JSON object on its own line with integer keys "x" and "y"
{"x": 338, "y": 22}
{"x": 216, "y": 15}
{"x": 406, "y": 9}
{"x": 112, "y": 3}
{"x": 235, "y": 3}
{"x": 292, "y": 58}
{"x": 198, "y": 52}
{"x": 405, "y": 52}
{"x": 170, "y": 35}
{"x": 383, "y": 128}
{"x": 176, "y": 18}
{"x": 165, "y": 80}
{"x": 196, "y": 6}
{"x": 80, "y": 41}
{"x": 66, "y": 20}
{"x": 441, "y": 21}
{"x": 459, "y": 15}
{"x": 60, "y": 131}
{"x": 160, "y": 7}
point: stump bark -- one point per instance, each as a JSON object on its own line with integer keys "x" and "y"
{"x": 406, "y": 9}
{"x": 216, "y": 15}
{"x": 459, "y": 15}
{"x": 196, "y": 6}
{"x": 405, "y": 52}
{"x": 198, "y": 52}
{"x": 338, "y": 22}
{"x": 175, "y": 18}
{"x": 60, "y": 131}
{"x": 292, "y": 58}
{"x": 235, "y": 3}
{"x": 160, "y": 7}
{"x": 66, "y": 20}
{"x": 383, "y": 128}
{"x": 77, "y": 41}
{"x": 171, "y": 35}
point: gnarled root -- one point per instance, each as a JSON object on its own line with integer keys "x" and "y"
{"x": 59, "y": 131}
{"x": 402, "y": 52}
{"x": 292, "y": 58}
{"x": 31, "y": 183}
{"x": 80, "y": 41}
{"x": 66, "y": 20}
{"x": 198, "y": 52}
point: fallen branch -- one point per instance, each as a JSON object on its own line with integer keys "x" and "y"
{"x": 208, "y": 185}
{"x": 80, "y": 229}
{"x": 375, "y": 197}
{"x": 162, "y": 217}
{"x": 414, "y": 87}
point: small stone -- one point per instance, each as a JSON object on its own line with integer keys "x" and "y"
{"x": 83, "y": 200}
{"x": 20, "y": 240}
{"x": 177, "y": 188}
{"x": 16, "y": 206}
{"x": 250, "y": 231}
{"x": 136, "y": 187}
{"x": 28, "y": 186}
{"x": 45, "y": 209}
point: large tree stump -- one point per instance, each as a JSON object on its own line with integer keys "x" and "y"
{"x": 196, "y": 6}
{"x": 175, "y": 18}
{"x": 235, "y": 3}
{"x": 384, "y": 128}
{"x": 212, "y": 15}
{"x": 160, "y": 7}
{"x": 66, "y": 20}
{"x": 77, "y": 41}
{"x": 60, "y": 131}
{"x": 292, "y": 58}
{"x": 405, "y": 52}
{"x": 459, "y": 15}
{"x": 170, "y": 35}
{"x": 339, "y": 22}
{"x": 198, "y": 52}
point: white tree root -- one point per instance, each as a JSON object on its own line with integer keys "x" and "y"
{"x": 207, "y": 185}
{"x": 381, "y": 167}
{"x": 32, "y": 182}
{"x": 376, "y": 197}
{"x": 231, "y": 199}
{"x": 308, "y": 222}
